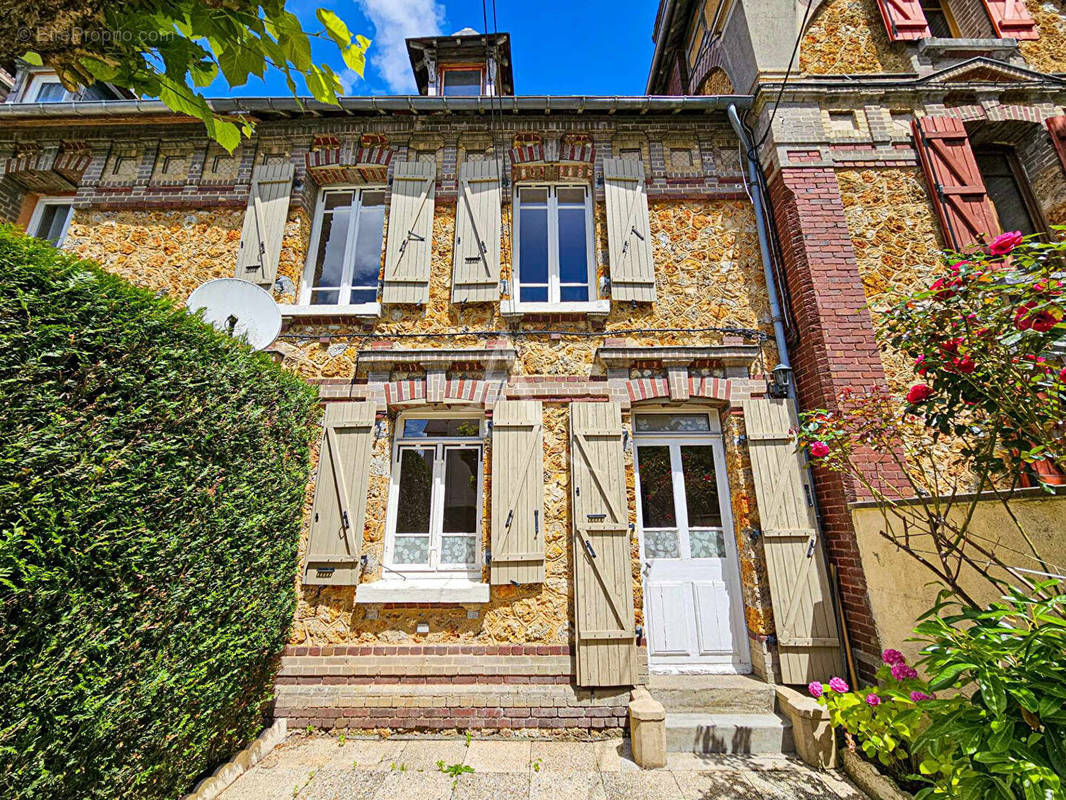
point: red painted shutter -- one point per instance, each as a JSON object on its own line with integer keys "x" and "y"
{"x": 966, "y": 214}
{"x": 1057, "y": 128}
{"x": 1011, "y": 19}
{"x": 904, "y": 19}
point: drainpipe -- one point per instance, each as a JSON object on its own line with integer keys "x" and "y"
{"x": 764, "y": 245}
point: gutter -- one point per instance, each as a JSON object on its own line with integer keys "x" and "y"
{"x": 402, "y": 104}
{"x": 663, "y": 31}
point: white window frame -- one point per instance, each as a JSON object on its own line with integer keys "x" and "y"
{"x": 38, "y": 212}
{"x": 305, "y": 307}
{"x": 436, "y": 518}
{"x": 37, "y": 81}
{"x": 554, "y": 304}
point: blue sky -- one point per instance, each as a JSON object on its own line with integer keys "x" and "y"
{"x": 558, "y": 47}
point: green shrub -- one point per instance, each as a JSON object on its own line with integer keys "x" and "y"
{"x": 152, "y": 481}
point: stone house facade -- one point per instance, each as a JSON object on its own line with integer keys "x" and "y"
{"x": 554, "y": 455}
{"x": 893, "y": 131}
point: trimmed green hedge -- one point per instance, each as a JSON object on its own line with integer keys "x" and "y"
{"x": 152, "y": 479}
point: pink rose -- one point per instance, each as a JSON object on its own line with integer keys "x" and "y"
{"x": 918, "y": 697}
{"x": 819, "y": 450}
{"x": 940, "y": 289}
{"x": 919, "y": 392}
{"x": 902, "y": 672}
{"x": 815, "y": 688}
{"x": 891, "y": 656}
{"x": 1004, "y": 243}
{"x": 873, "y": 700}
{"x": 1062, "y": 375}
{"x": 838, "y": 685}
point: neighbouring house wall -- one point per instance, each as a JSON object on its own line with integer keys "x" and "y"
{"x": 901, "y": 589}
{"x": 1047, "y": 53}
{"x": 848, "y": 37}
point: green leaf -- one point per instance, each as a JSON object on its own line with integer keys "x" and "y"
{"x": 32, "y": 58}
{"x": 335, "y": 27}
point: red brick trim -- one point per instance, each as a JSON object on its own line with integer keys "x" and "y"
{"x": 428, "y": 650}
{"x": 418, "y": 680}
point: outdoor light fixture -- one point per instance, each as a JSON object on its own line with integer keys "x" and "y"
{"x": 782, "y": 377}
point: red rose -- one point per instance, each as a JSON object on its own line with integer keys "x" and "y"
{"x": 940, "y": 290}
{"x": 1043, "y": 321}
{"x": 1004, "y": 243}
{"x": 918, "y": 393}
{"x": 1062, "y": 375}
{"x": 950, "y": 345}
{"x": 1022, "y": 320}
{"x": 819, "y": 450}
{"x": 963, "y": 364}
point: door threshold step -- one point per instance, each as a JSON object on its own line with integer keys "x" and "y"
{"x": 754, "y": 734}
{"x": 713, "y": 694}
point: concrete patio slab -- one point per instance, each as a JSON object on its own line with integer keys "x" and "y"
{"x": 492, "y": 786}
{"x": 499, "y": 756}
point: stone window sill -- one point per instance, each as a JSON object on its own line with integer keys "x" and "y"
{"x": 956, "y": 48}
{"x": 449, "y": 591}
{"x": 592, "y": 308}
{"x": 365, "y": 310}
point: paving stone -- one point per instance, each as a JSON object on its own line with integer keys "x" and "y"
{"x": 268, "y": 783}
{"x": 700, "y": 762}
{"x": 342, "y": 784}
{"x": 302, "y": 751}
{"x": 423, "y": 754}
{"x": 566, "y": 786}
{"x": 494, "y": 756}
{"x": 492, "y": 786}
{"x": 718, "y": 785}
{"x": 373, "y": 754}
{"x": 790, "y": 784}
{"x": 409, "y": 785}
{"x": 841, "y": 786}
{"x": 646, "y": 785}
{"x": 565, "y": 756}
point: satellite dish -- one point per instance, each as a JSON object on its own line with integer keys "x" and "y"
{"x": 238, "y": 308}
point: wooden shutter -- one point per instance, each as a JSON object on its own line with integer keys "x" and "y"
{"x": 958, "y": 191}
{"x": 628, "y": 236}
{"x": 264, "y": 223}
{"x": 337, "y": 517}
{"x": 410, "y": 233}
{"x": 603, "y": 582}
{"x": 904, "y": 20}
{"x": 476, "y": 269}
{"x": 799, "y": 584}
{"x": 1011, "y": 19}
{"x": 1057, "y": 128}
{"x": 517, "y": 492}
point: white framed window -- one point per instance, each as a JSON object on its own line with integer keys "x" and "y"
{"x": 461, "y": 82}
{"x": 435, "y": 503}
{"x": 50, "y": 219}
{"x": 45, "y": 88}
{"x": 554, "y": 265}
{"x": 344, "y": 259}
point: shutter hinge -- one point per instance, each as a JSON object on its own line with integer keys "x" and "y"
{"x": 505, "y": 286}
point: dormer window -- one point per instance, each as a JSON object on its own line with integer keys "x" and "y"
{"x": 461, "y": 82}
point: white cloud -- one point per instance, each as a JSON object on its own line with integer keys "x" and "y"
{"x": 394, "y": 21}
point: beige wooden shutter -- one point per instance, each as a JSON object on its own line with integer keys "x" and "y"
{"x": 336, "y": 538}
{"x": 517, "y": 492}
{"x": 603, "y": 578}
{"x": 410, "y": 236}
{"x": 799, "y": 584}
{"x": 264, "y": 223}
{"x": 628, "y": 236}
{"x": 476, "y": 269}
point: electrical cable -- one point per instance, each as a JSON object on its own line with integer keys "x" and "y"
{"x": 788, "y": 72}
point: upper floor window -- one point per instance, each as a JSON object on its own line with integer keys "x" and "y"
{"x": 1008, "y": 189}
{"x": 941, "y": 22}
{"x": 460, "y": 82}
{"x": 435, "y": 502}
{"x": 345, "y": 255}
{"x": 50, "y": 219}
{"x": 553, "y": 244}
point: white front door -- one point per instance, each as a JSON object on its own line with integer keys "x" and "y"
{"x": 693, "y": 610}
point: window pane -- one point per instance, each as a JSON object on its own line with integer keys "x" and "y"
{"x": 571, "y": 195}
{"x": 333, "y": 238}
{"x": 533, "y": 245}
{"x": 1004, "y": 192}
{"x": 656, "y": 487}
{"x": 443, "y": 427}
{"x": 460, "y": 490}
{"x": 411, "y": 550}
{"x": 416, "y": 488}
{"x": 648, "y": 423}
{"x": 53, "y": 217}
{"x": 462, "y": 83}
{"x": 368, "y": 242}
{"x": 701, "y": 487}
{"x": 574, "y": 294}
{"x": 662, "y": 544}
{"x": 573, "y": 245}
{"x": 327, "y": 297}
{"x": 707, "y": 544}
{"x": 458, "y": 550}
{"x": 51, "y": 93}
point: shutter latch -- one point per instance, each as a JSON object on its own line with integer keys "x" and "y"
{"x": 536, "y": 523}
{"x": 510, "y": 516}
{"x": 588, "y": 546}
{"x": 810, "y": 548}
{"x": 344, "y": 520}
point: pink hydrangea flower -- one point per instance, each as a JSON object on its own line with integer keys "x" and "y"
{"x": 873, "y": 700}
{"x": 819, "y": 450}
{"x": 891, "y": 656}
{"x": 1004, "y": 243}
{"x": 902, "y": 672}
{"x": 918, "y": 697}
{"x": 838, "y": 685}
{"x": 815, "y": 688}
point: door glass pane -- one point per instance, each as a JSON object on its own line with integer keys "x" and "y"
{"x": 656, "y": 487}
{"x": 707, "y": 543}
{"x": 460, "y": 490}
{"x": 368, "y": 248}
{"x": 411, "y": 550}
{"x": 533, "y": 245}
{"x": 701, "y": 487}
{"x": 651, "y": 423}
{"x": 416, "y": 488}
{"x": 458, "y": 550}
{"x": 661, "y": 544}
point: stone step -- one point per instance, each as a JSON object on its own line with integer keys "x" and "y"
{"x": 756, "y": 734}
{"x": 712, "y": 694}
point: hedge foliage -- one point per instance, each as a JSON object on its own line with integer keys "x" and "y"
{"x": 152, "y": 481}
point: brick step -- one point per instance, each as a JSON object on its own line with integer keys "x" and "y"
{"x": 712, "y": 694}
{"x": 756, "y": 734}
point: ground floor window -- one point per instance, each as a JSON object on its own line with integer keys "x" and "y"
{"x": 435, "y": 503}
{"x": 50, "y": 219}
